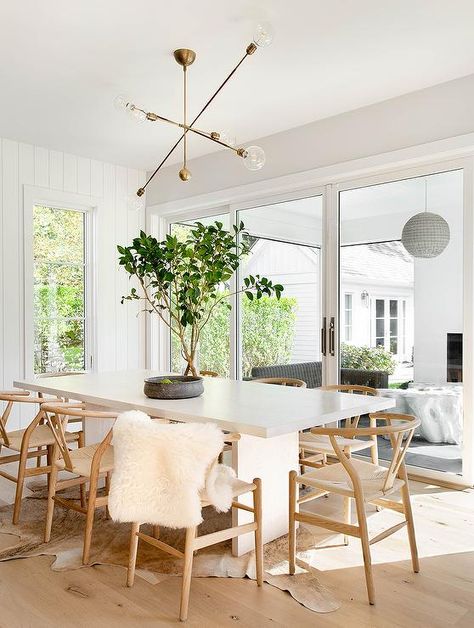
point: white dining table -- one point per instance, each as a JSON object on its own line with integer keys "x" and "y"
{"x": 267, "y": 417}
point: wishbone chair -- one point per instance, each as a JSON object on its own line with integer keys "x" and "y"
{"x": 362, "y": 481}
{"x": 34, "y": 441}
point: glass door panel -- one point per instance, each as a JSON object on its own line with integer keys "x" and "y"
{"x": 286, "y": 247}
{"x": 402, "y": 317}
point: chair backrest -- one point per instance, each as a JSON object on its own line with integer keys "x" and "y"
{"x": 209, "y": 373}
{"x": 10, "y": 397}
{"x": 281, "y": 381}
{"x": 398, "y": 427}
{"x": 58, "y": 416}
{"x": 351, "y": 389}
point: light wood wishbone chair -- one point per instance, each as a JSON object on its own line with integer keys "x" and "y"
{"x": 319, "y": 447}
{"x": 364, "y": 482}
{"x": 35, "y": 441}
{"x": 194, "y": 542}
{"x": 86, "y": 464}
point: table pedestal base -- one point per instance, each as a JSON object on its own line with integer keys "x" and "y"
{"x": 271, "y": 460}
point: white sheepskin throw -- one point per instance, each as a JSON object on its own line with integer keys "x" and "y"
{"x": 160, "y": 470}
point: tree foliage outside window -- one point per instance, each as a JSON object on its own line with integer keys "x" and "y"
{"x": 268, "y": 328}
{"x": 59, "y": 284}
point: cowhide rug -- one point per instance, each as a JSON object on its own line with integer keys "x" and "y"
{"x": 110, "y": 543}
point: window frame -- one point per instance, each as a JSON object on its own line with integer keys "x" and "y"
{"x": 345, "y": 325}
{"x": 87, "y": 205}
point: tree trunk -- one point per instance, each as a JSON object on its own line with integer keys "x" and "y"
{"x": 191, "y": 368}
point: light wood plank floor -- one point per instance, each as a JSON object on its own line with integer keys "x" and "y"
{"x": 31, "y": 595}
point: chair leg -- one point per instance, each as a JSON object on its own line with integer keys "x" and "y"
{"x": 410, "y": 526}
{"x": 83, "y": 494}
{"x": 156, "y": 532}
{"x": 49, "y": 462}
{"x": 364, "y": 539}
{"x": 187, "y": 572}
{"x": 292, "y": 524}
{"x": 132, "y": 556}
{"x": 347, "y": 516}
{"x": 257, "y": 506}
{"x": 38, "y": 459}
{"x": 374, "y": 452}
{"x": 89, "y": 521}
{"x": 51, "y": 493}
{"x": 19, "y": 483}
{"x": 107, "y": 490}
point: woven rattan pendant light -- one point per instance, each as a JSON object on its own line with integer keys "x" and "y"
{"x": 426, "y": 234}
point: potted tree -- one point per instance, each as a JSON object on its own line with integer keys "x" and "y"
{"x": 180, "y": 279}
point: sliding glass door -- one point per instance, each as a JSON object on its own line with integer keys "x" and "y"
{"x": 282, "y": 336}
{"x": 402, "y": 318}
{"x": 357, "y": 306}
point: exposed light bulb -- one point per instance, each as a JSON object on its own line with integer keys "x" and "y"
{"x": 263, "y": 35}
{"x": 121, "y": 103}
{"x": 135, "y": 113}
{"x": 125, "y": 105}
{"x": 135, "y": 203}
{"x": 228, "y": 138}
{"x": 254, "y": 158}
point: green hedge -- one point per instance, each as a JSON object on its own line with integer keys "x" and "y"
{"x": 367, "y": 358}
{"x": 268, "y": 328}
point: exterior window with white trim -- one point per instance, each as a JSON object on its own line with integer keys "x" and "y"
{"x": 59, "y": 310}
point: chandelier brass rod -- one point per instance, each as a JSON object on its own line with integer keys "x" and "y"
{"x": 185, "y": 107}
{"x": 250, "y": 50}
{"x": 154, "y": 116}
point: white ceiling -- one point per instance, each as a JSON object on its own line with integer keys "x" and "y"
{"x": 62, "y": 64}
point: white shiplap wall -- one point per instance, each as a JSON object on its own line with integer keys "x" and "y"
{"x": 120, "y": 333}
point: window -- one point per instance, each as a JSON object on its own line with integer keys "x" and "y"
{"x": 348, "y": 317}
{"x": 390, "y": 325}
{"x": 59, "y": 239}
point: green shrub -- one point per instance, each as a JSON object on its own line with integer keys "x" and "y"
{"x": 268, "y": 328}
{"x": 367, "y": 358}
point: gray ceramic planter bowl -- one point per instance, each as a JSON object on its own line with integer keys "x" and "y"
{"x": 182, "y": 387}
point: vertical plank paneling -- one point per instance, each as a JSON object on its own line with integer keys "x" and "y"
{"x": 121, "y": 237}
{"x": 133, "y": 307}
{"x": 3, "y": 236}
{"x": 41, "y": 167}
{"x": 83, "y": 175}
{"x": 56, "y": 170}
{"x": 97, "y": 178}
{"x": 70, "y": 173}
{"x": 26, "y": 176}
{"x": 11, "y": 280}
{"x": 143, "y": 322}
{"x": 107, "y": 303}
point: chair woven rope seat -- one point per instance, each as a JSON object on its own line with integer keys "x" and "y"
{"x": 41, "y": 436}
{"x": 83, "y": 458}
{"x": 312, "y": 443}
{"x": 333, "y": 478}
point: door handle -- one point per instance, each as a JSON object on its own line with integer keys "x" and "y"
{"x": 332, "y": 336}
{"x": 323, "y": 337}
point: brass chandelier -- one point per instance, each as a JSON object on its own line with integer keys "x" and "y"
{"x": 253, "y": 156}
